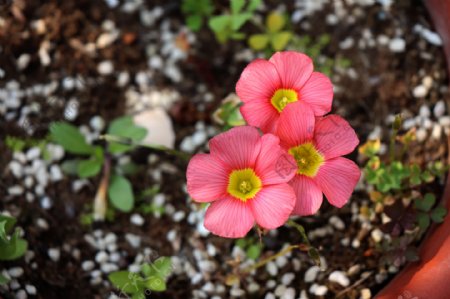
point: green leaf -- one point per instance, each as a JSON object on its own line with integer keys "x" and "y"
{"x": 258, "y": 41}
{"x": 219, "y": 23}
{"x": 237, "y": 5}
{"x": 426, "y": 203}
{"x": 3, "y": 236}
{"x": 254, "y": 251}
{"x": 438, "y": 214}
{"x": 127, "y": 282}
{"x": 3, "y": 279}
{"x": 254, "y": 4}
{"x": 275, "y": 22}
{"x": 163, "y": 266}
{"x": 156, "y": 283}
{"x": 237, "y": 21}
{"x": 9, "y": 222}
{"x": 125, "y": 127}
{"x": 120, "y": 193}
{"x": 280, "y": 40}
{"x": 423, "y": 220}
{"x": 70, "y": 167}
{"x": 15, "y": 144}
{"x": 70, "y": 138}
{"x": 89, "y": 168}
{"x": 14, "y": 249}
{"x": 194, "y": 22}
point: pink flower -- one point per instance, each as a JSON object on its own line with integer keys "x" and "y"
{"x": 245, "y": 177}
{"x": 267, "y": 87}
{"x": 317, "y": 145}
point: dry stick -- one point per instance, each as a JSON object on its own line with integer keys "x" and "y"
{"x": 357, "y": 283}
{"x": 100, "y": 202}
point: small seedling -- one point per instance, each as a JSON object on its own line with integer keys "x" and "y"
{"x": 227, "y": 26}
{"x": 152, "y": 277}
{"x": 275, "y": 37}
{"x": 196, "y": 11}
{"x": 12, "y": 246}
{"x": 91, "y": 159}
{"x": 228, "y": 114}
{"x": 251, "y": 246}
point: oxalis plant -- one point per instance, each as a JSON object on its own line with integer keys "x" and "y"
{"x": 12, "y": 245}
{"x": 281, "y": 163}
{"x": 401, "y": 189}
{"x": 89, "y": 160}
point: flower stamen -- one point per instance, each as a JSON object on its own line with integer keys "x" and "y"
{"x": 308, "y": 159}
{"x": 282, "y": 97}
{"x": 244, "y": 184}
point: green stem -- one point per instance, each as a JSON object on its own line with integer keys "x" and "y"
{"x": 158, "y": 147}
{"x": 301, "y": 230}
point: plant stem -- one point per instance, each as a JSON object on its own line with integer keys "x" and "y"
{"x": 301, "y": 230}
{"x": 270, "y": 258}
{"x": 158, "y": 147}
{"x": 100, "y": 202}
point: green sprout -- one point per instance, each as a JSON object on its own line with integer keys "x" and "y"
{"x": 152, "y": 277}
{"x": 12, "y": 246}
{"x": 227, "y": 26}
{"x": 275, "y": 38}
{"x": 91, "y": 159}
{"x": 196, "y": 11}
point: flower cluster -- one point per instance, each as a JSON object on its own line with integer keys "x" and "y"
{"x": 250, "y": 178}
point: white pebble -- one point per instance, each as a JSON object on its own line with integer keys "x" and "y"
{"x": 33, "y": 153}
{"x": 87, "y": 265}
{"x": 340, "y": 278}
{"x": 424, "y": 111}
{"x": 15, "y": 272}
{"x": 21, "y": 294}
{"x": 280, "y": 289}
{"x": 366, "y": 294}
{"x": 199, "y": 138}
{"x": 318, "y": 290}
{"x": 16, "y": 168}
{"x": 439, "y": 109}
{"x": 289, "y": 293}
{"x": 337, "y": 222}
{"x": 178, "y": 216}
{"x": 421, "y": 134}
{"x": 97, "y": 123}
{"x": 109, "y": 267}
{"x": 31, "y": 289}
{"x": 42, "y": 223}
{"x": 46, "y": 203}
{"x": 101, "y": 257}
{"x": 55, "y": 173}
{"x": 287, "y": 278}
{"x": 237, "y": 292}
{"x": 15, "y": 190}
{"x": 377, "y": 235}
{"x": 54, "y": 254}
{"x": 397, "y": 45}
{"x": 23, "y": 61}
{"x": 271, "y": 268}
{"x": 420, "y": 91}
{"x": 437, "y": 132}
{"x": 281, "y": 261}
{"x": 137, "y": 219}
{"x": 311, "y": 274}
{"x": 133, "y": 240}
{"x": 269, "y": 296}
{"x": 444, "y": 121}
{"x": 114, "y": 257}
{"x": 105, "y": 67}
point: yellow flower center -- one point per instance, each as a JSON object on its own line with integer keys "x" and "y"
{"x": 244, "y": 184}
{"x": 308, "y": 159}
{"x": 282, "y": 97}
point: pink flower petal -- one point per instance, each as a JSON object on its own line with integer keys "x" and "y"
{"x": 229, "y": 218}
{"x": 318, "y": 92}
{"x": 273, "y": 205}
{"x": 261, "y": 114}
{"x": 207, "y": 178}
{"x": 296, "y": 124}
{"x": 258, "y": 82}
{"x": 334, "y": 136}
{"x": 337, "y": 178}
{"x": 309, "y": 196}
{"x": 238, "y": 148}
{"x": 294, "y": 68}
{"x": 274, "y": 165}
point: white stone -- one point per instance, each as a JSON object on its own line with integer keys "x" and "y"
{"x": 253, "y": 287}
{"x": 97, "y": 123}
{"x": 105, "y": 67}
{"x": 424, "y": 111}
{"x": 289, "y": 293}
{"x": 279, "y": 290}
{"x": 87, "y": 265}
{"x": 337, "y": 222}
{"x": 199, "y": 137}
{"x": 46, "y": 202}
{"x": 55, "y": 173}
{"x": 377, "y": 235}
{"x": 15, "y": 190}
{"x": 54, "y": 254}
{"x": 16, "y": 168}
{"x": 178, "y": 216}
{"x": 281, "y": 261}
{"x": 55, "y": 151}
{"x": 269, "y": 296}
{"x": 420, "y": 91}
{"x": 318, "y": 290}
{"x": 21, "y": 294}
{"x": 159, "y": 127}
{"x": 437, "y": 132}
{"x": 23, "y": 61}
{"x": 106, "y": 39}
{"x": 444, "y": 121}
{"x": 101, "y": 257}
{"x": 133, "y": 240}
{"x": 114, "y": 257}
{"x": 123, "y": 79}
{"x": 33, "y": 153}
{"x": 109, "y": 267}
{"x": 272, "y": 268}
{"x": 15, "y": 272}
{"x": 366, "y": 294}
{"x": 346, "y": 43}
{"x": 42, "y": 223}
{"x": 287, "y": 278}
{"x": 421, "y": 134}
{"x": 187, "y": 145}
{"x": 31, "y": 289}
{"x": 439, "y": 109}
{"x": 137, "y": 219}
{"x": 340, "y": 278}
{"x": 397, "y": 45}
{"x": 311, "y": 274}
{"x": 303, "y": 295}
